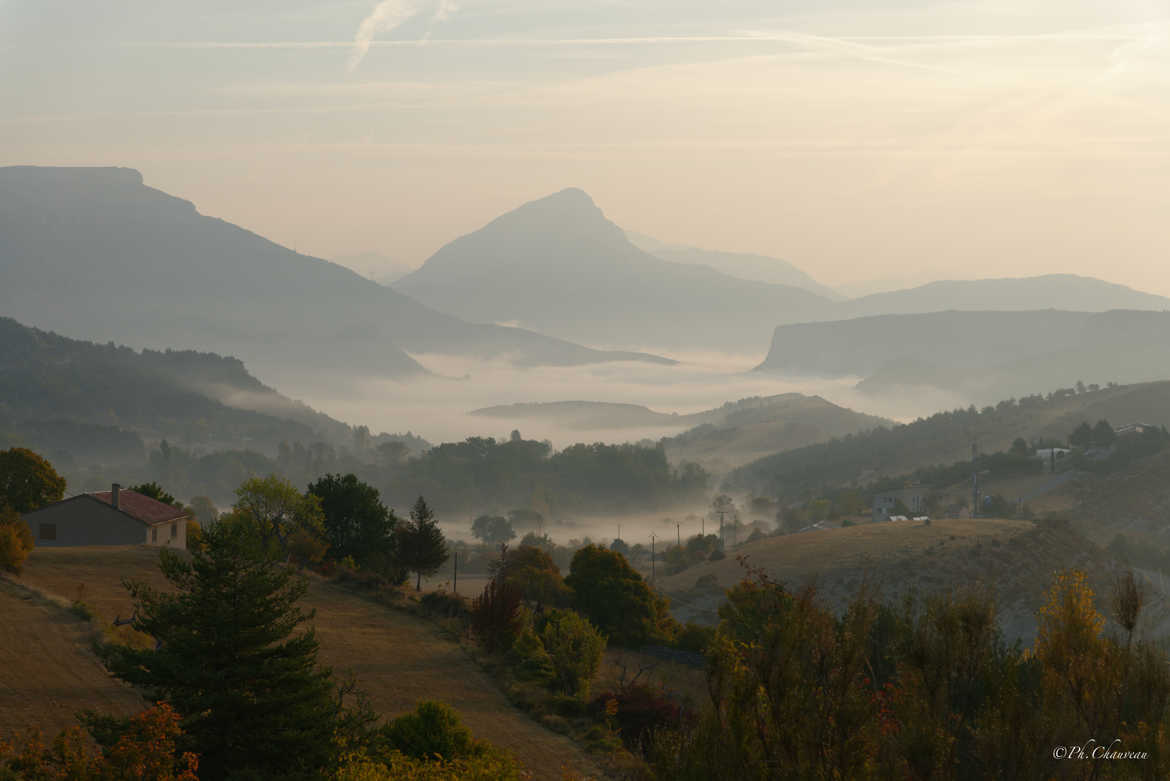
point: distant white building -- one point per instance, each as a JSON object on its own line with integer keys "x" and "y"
{"x": 884, "y": 505}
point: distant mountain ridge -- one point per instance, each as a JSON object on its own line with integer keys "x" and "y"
{"x": 1066, "y": 292}
{"x": 744, "y": 265}
{"x": 719, "y": 438}
{"x": 559, "y": 265}
{"x": 983, "y": 356}
{"x": 93, "y": 252}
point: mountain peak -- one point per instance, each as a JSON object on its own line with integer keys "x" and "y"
{"x": 566, "y": 216}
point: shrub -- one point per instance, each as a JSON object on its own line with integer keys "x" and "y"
{"x": 141, "y": 747}
{"x": 575, "y": 647}
{"x": 529, "y": 657}
{"x": 495, "y": 615}
{"x": 613, "y": 596}
{"x": 433, "y": 730}
{"x": 396, "y": 766}
{"x": 637, "y": 710}
{"x": 194, "y": 535}
{"x": 16, "y": 540}
{"x": 443, "y": 603}
{"x": 694, "y": 637}
{"x": 717, "y": 555}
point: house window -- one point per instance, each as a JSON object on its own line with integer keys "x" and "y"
{"x": 47, "y": 531}
{"x": 174, "y": 530}
{"x": 154, "y": 534}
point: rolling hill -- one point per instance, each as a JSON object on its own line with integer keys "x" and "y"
{"x": 719, "y": 438}
{"x": 94, "y": 253}
{"x": 1014, "y": 560}
{"x": 102, "y": 404}
{"x": 947, "y": 437}
{"x": 559, "y": 266}
{"x": 742, "y": 431}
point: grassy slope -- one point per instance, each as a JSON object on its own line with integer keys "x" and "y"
{"x": 396, "y": 658}
{"x": 47, "y": 671}
{"x": 1014, "y": 559}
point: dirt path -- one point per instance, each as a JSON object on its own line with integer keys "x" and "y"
{"x": 47, "y": 671}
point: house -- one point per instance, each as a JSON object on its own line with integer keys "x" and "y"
{"x": 114, "y": 517}
{"x": 1133, "y": 429}
{"x": 884, "y": 505}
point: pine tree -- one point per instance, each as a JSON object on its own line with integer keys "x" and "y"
{"x": 421, "y": 546}
{"x": 229, "y": 659}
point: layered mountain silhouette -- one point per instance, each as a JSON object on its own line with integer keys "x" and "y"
{"x": 559, "y": 266}
{"x": 103, "y": 403}
{"x": 93, "y": 252}
{"x": 745, "y": 265}
{"x": 983, "y": 356}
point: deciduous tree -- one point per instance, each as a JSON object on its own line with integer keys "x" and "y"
{"x": 28, "y": 481}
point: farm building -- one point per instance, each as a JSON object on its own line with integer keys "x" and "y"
{"x": 114, "y": 517}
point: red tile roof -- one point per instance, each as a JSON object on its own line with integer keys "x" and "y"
{"x": 149, "y": 511}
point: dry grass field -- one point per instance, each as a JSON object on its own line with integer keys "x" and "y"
{"x": 47, "y": 671}
{"x": 396, "y": 658}
{"x": 796, "y": 557}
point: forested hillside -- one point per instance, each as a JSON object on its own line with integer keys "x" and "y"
{"x": 949, "y": 437}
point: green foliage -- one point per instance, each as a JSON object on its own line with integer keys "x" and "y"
{"x": 612, "y": 594}
{"x": 273, "y": 512}
{"x": 528, "y": 655}
{"x": 695, "y": 550}
{"x": 27, "y": 481}
{"x": 493, "y": 529}
{"x": 575, "y": 647}
{"x": 155, "y": 491}
{"x": 433, "y": 730}
{"x": 356, "y": 523}
{"x": 928, "y": 691}
{"x": 253, "y": 701}
{"x": 422, "y": 548}
{"x": 483, "y": 472}
{"x": 16, "y": 540}
{"x": 534, "y": 573}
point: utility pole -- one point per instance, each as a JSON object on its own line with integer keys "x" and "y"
{"x": 721, "y": 541}
{"x": 455, "y": 578}
{"x": 652, "y": 571}
{"x": 678, "y": 532}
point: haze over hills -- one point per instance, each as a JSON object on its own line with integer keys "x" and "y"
{"x": 559, "y": 266}
{"x": 79, "y": 401}
{"x": 1066, "y": 292}
{"x": 947, "y": 437}
{"x": 719, "y": 438}
{"x": 93, "y": 252}
{"x": 759, "y": 268}
{"x": 981, "y": 356}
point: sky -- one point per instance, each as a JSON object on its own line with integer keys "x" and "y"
{"x": 871, "y": 143}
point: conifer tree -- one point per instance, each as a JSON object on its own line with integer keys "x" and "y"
{"x": 421, "y": 546}
{"x": 228, "y": 657}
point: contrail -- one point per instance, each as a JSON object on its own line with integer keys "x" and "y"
{"x": 386, "y": 16}
{"x": 390, "y": 14}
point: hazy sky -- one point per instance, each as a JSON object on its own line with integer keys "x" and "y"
{"x": 860, "y": 140}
